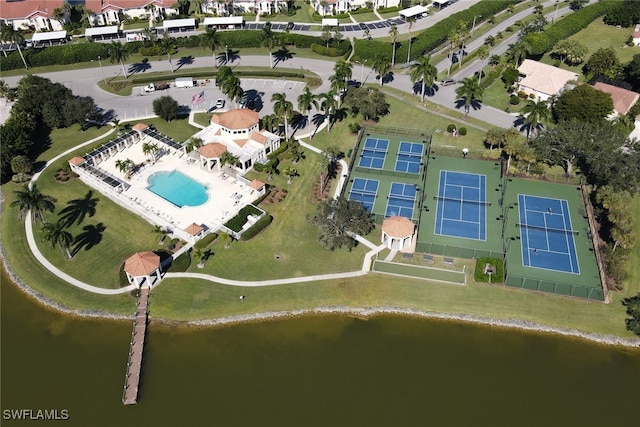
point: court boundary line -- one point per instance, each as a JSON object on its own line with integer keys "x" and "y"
{"x": 404, "y": 184}
{"x": 481, "y": 204}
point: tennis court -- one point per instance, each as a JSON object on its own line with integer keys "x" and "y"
{"x": 374, "y": 153}
{"x": 546, "y": 236}
{"x": 364, "y": 191}
{"x": 461, "y": 209}
{"x": 409, "y": 157}
{"x": 401, "y": 200}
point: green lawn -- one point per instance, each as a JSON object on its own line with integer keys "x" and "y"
{"x": 64, "y": 139}
{"x": 133, "y": 25}
{"x": 179, "y": 129}
{"x": 365, "y": 17}
{"x": 497, "y": 96}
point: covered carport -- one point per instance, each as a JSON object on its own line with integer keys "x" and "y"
{"x": 329, "y": 22}
{"x": 49, "y": 38}
{"x": 226, "y": 22}
{"x": 102, "y": 33}
{"x": 440, "y": 3}
{"x": 178, "y": 25}
{"x": 413, "y": 12}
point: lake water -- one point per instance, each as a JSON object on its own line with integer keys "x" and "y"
{"x": 312, "y": 371}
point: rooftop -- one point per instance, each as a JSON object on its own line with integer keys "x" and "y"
{"x": 623, "y": 99}
{"x": 544, "y": 78}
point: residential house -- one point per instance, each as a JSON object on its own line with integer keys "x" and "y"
{"x": 623, "y": 99}
{"x": 238, "y": 132}
{"x": 111, "y": 12}
{"x": 261, "y": 7}
{"x": 334, "y": 7}
{"x": 636, "y": 35}
{"x": 218, "y": 7}
{"x": 542, "y": 80}
{"x": 37, "y": 15}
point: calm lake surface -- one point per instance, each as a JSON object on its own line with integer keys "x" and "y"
{"x": 312, "y": 371}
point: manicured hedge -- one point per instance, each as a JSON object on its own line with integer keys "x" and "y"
{"x": 181, "y": 263}
{"x": 236, "y": 223}
{"x": 206, "y": 241}
{"x": 260, "y": 225}
{"x": 479, "y": 275}
{"x": 433, "y": 37}
{"x": 64, "y": 54}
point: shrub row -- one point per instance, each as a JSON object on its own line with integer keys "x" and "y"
{"x": 62, "y": 55}
{"x": 260, "y": 225}
{"x": 497, "y": 277}
{"x": 206, "y": 241}
{"x": 433, "y": 37}
{"x": 236, "y": 223}
{"x": 361, "y": 10}
{"x": 389, "y": 9}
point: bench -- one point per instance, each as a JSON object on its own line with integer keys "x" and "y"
{"x": 427, "y": 258}
{"x": 448, "y": 261}
{"x": 407, "y": 256}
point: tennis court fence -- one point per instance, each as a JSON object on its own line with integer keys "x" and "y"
{"x": 385, "y": 172}
{"x": 398, "y": 131}
{"x": 579, "y": 291}
{"x": 456, "y": 251}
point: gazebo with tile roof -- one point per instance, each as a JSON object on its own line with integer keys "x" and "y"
{"x": 210, "y": 154}
{"x": 397, "y": 232}
{"x": 194, "y": 230}
{"x": 143, "y": 268}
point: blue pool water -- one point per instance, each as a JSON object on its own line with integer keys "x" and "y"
{"x": 178, "y": 189}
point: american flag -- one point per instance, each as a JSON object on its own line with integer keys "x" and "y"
{"x": 197, "y": 98}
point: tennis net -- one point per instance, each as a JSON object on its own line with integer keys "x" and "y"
{"x": 547, "y": 229}
{"x": 473, "y": 202}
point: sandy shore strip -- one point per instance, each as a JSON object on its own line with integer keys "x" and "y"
{"x": 341, "y": 310}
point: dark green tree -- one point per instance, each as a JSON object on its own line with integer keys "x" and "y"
{"x": 57, "y": 236}
{"x": 369, "y": 102}
{"x": 632, "y": 71}
{"x": 604, "y": 61}
{"x": 632, "y": 305}
{"x": 583, "y": 103}
{"x": 338, "y": 219}
{"x": 166, "y": 107}
{"x": 31, "y": 199}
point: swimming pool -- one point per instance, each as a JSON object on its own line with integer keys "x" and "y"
{"x": 178, "y": 189}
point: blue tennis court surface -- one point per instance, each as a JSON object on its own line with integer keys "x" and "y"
{"x": 546, "y": 235}
{"x": 374, "y": 153}
{"x": 462, "y": 205}
{"x": 409, "y": 157}
{"x": 402, "y": 198}
{"x": 364, "y": 191}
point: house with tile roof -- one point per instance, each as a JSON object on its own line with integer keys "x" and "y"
{"x": 238, "y": 132}
{"x": 334, "y": 7}
{"x": 111, "y": 12}
{"x": 623, "y": 99}
{"x": 31, "y": 14}
{"x": 543, "y": 80}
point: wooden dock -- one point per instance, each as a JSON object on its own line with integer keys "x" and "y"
{"x": 134, "y": 365}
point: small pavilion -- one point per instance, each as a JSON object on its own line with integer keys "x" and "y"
{"x": 143, "y": 268}
{"x": 194, "y": 230}
{"x": 210, "y": 155}
{"x": 397, "y": 232}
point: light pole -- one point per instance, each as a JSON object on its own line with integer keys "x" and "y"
{"x": 555, "y": 15}
{"x": 362, "y": 70}
{"x": 473, "y": 27}
{"x": 226, "y": 52}
{"x": 101, "y": 69}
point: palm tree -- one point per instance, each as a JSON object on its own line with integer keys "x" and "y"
{"x": 518, "y": 52}
{"x": 283, "y": 109}
{"x": 31, "y": 199}
{"x": 410, "y": 20}
{"x": 463, "y": 33}
{"x": 425, "y": 72}
{"x": 161, "y": 232}
{"x": 116, "y": 124}
{"x": 343, "y": 70}
{"x": 454, "y": 39}
{"x": 534, "y": 113}
{"x": 118, "y": 53}
{"x": 226, "y": 239}
{"x": 56, "y": 235}
{"x": 125, "y": 166}
{"x": 483, "y": 53}
{"x": 367, "y": 34}
{"x": 231, "y": 88}
{"x": 150, "y": 150}
{"x": 192, "y": 144}
{"x": 269, "y": 40}
{"x": 328, "y": 105}
{"x": 168, "y": 44}
{"x": 512, "y": 146}
{"x": 470, "y": 91}
{"x": 306, "y": 101}
{"x": 147, "y": 34}
{"x": 228, "y": 158}
{"x": 10, "y": 34}
{"x": 381, "y": 66}
{"x": 199, "y": 257}
{"x": 211, "y": 39}
{"x": 393, "y": 32}
{"x": 290, "y": 172}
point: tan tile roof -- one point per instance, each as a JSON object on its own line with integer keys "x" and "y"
{"x": 544, "y": 78}
{"x": 212, "y": 150}
{"x": 140, "y": 127}
{"x": 26, "y": 9}
{"x": 240, "y": 142}
{"x": 132, "y": 4}
{"x": 240, "y": 118}
{"x": 258, "y": 137}
{"x": 623, "y": 99}
{"x": 194, "y": 229}
{"x": 77, "y": 160}
{"x": 398, "y": 226}
{"x": 256, "y": 184}
{"x": 142, "y": 263}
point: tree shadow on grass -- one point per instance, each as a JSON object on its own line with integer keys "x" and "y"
{"x": 90, "y": 236}
{"x": 281, "y": 55}
{"x": 78, "y": 209}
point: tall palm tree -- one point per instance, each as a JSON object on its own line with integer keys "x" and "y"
{"x": 425, "y": 72}
{"x": 518, "y": 52}
{"x": 381, "y": 66}
{"x": 483, "y": 53}
{"x": 161, "y": 232}
{"x": 290, "y": 172}
{"x": 228, "y": 158}
{"x": 454, "y": 39}
{"x": 125, "y": 166}
{"x": 283, "y": 109}
{"x": 192, "y": 144}
{"x": 10, "y": 34}
{"x": 150, "y": 150}
{"x": 56, "y": 235}
{"x": 513, "y": 146}
{"x": 306, "y": 101}
{"x": 534, "y": 113}
{"x": 118, "y": 53}
{"x": 31, "y": 199}
{"x": 343, "y": 70}
{"x": 231, "y": 88}
{"x": 269, "y": 40}
{"x": 410, "y": 20}
{"x": 328, "y": 105}
{"x": 211, "y": 39}
{"x": 168, "y": 44}
{"x": 393, "y": 32}
{"x": 470, "y": 91}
